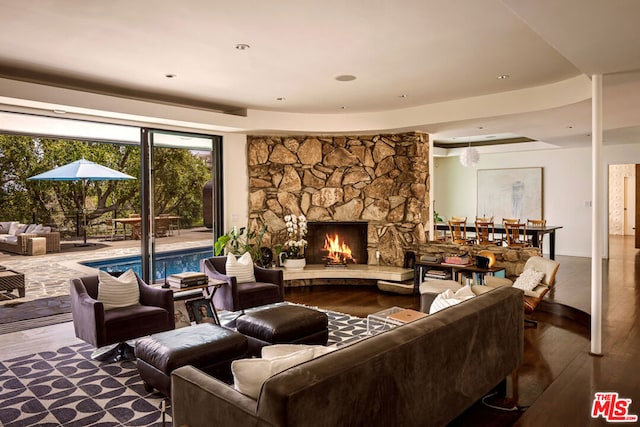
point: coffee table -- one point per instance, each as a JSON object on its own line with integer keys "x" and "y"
{"x": 390, "y": 318}
{"x": 10, "y": 280}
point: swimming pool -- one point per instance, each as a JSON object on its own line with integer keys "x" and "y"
{"x": 176, "y": 261}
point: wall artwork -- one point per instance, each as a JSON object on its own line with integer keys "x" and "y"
{"x": 181, "y": 315}
{"x": 510, "y": 193}
{"x": 200, "y": 311}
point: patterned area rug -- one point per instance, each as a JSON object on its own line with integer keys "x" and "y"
{"x": 67, "y": 388}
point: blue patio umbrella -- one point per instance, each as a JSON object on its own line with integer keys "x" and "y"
{"x": 85, "y": 171}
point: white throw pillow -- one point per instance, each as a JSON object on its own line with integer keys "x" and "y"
{"x": 12, "y": 228}
{"x": 241, "y": 268}
{"x": 528, "y": 280}
{"x": 4, "y": 227}
{"x": 279, "y": 350}
{"x": 118, "y": 292}
{"x": 30, "y": 228}
{"x": 250, "y": 374}
{"x": 448, "y": 298}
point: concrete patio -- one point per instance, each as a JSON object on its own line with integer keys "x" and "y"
{"x": 48, "y": 275}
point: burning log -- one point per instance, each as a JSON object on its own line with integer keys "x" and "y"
{"x": 339, "y": 252}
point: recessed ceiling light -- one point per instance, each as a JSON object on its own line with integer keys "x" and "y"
{"x": 345, "y": 78}
{"x": 242, "y": 46}
{"x": 170, "y": 76}
{"x": 503, "y": 76}
{"x": 404, "y": 95}
{"x": 480, "y": 127}
{"x": 280, "y": 98}
{"x": 569, "y": 127}
{"x": 343, "y": 107}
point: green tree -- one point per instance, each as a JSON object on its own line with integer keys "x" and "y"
{"x": 179, "y": 177}
{"x": 60, "y": 201}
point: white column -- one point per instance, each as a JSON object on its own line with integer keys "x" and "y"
{"x": 596, "y": 215}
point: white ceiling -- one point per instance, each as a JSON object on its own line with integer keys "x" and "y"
{"x": 429, "y": 65}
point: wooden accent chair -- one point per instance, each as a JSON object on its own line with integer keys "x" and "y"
{"x": 533, "y": 297}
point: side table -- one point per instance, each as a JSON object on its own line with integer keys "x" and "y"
{"x": 208, "y": 292}
{"x": 10, "y": 280}
{"x": 390, "y": 318}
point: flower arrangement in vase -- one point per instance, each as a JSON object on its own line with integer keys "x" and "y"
{"x": 294, "y": 246}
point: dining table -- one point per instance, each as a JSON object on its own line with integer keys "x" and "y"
{"x": 536, "y": 233}
{"x": 133, "y": 221}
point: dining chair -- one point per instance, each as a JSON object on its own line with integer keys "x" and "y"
{"x": 458, "y": 230}
{"x": 162, "y": 226}
{"x": 485, "y": 232}
{"x": 516, "y": 234}
{"x": 508, "y": 221}
{"x": 536, "y": 223}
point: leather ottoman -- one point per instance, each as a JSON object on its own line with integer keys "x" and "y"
{"x": 282, "y": 324}
{"x": 209, "y": 348}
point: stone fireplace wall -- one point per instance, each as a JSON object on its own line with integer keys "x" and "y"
{"x": 381, "y": 179}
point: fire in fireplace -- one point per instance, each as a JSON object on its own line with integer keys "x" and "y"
{"x": 338, "y": 253}
{"x": 336, "y": 243}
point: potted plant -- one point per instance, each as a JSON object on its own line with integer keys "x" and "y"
{"x": 292, "y": 256}
{"x": 238, "y": 241}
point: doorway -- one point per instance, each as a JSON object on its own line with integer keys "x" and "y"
{"x": 629, "y": 206}
{"x": 623, "y": 198}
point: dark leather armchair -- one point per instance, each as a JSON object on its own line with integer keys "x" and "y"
{"x": 101, "y": 328}
{"x": 233, "y": 296}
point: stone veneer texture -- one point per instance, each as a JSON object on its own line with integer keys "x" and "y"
{"x": 381, "y": 179}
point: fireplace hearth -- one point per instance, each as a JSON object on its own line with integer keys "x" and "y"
{"x": 337, "y": 244}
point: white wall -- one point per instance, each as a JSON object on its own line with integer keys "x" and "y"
{"x": 566, "y": 183}
{"x": 235, "y": 181}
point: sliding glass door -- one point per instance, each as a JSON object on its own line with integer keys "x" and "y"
{"x": 181, "y": 201}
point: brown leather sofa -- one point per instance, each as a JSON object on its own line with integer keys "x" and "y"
{"x": 424, "y": 373}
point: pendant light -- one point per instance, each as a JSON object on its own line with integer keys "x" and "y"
{"x": 469, "y": 156}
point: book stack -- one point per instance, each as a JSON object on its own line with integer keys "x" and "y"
{"x": 457, "y": 260}
{"x": 437, "y": 274}
{"x": 186, "y": 279}
{"x": 430, "y": 258}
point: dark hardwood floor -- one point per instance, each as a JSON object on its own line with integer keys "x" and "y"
{"x": 556, "y": 383}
